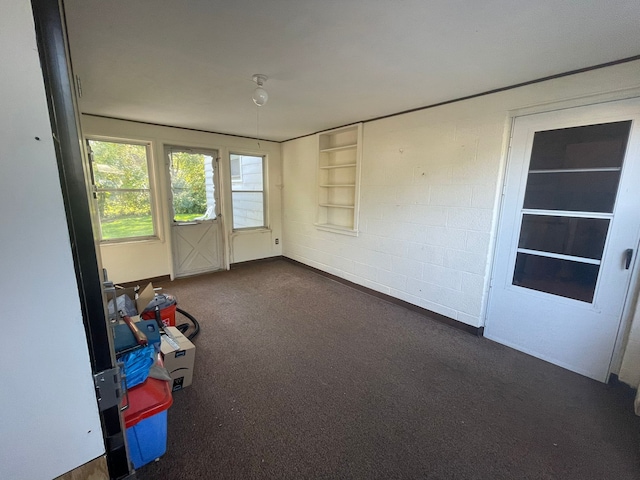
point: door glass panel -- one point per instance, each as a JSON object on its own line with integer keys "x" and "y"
{"x": 192, "y": 186}
{"x": 591, "y": 146}
{"x": 566, "y": 278}
{"x": 578, "y": 237}
{"x": 572, "y": 191}
{"x": 571, "y": 170}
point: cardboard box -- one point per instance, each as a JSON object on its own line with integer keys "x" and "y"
{"x": 178, "y": 361}
{"x": 145, "y": 295}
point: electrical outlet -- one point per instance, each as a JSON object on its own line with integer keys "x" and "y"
{"x": 277, "y": 241}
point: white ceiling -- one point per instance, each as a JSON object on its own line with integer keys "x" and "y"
{"x": 189, "y": 63}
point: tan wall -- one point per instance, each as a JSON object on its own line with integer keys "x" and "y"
{"x": 131, "y": 261}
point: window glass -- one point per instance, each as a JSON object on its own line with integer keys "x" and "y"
{"x": 578, "y": 237}
{"x": 121, "y": 178}
{"x": 192, "y": 185}
{"x": 571, "y": 170}
{"x": 236, "y": 170}
{"x": 247, "y": 192}
{"x": 572, "y": 191}
{"x": 565, "y": 278}
{"x": 590, "y": 146}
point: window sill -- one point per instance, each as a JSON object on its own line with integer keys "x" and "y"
{"x": 245, "y": 231}
{"x": 127, "y": 241}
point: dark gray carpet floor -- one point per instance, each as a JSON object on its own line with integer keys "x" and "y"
{"x": 298, "y": 376}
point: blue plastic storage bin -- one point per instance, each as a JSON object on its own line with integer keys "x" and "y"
{"x": 148, "y": 439}
{"x": 146, "y": 421}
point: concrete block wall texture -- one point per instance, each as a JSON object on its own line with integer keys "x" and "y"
{"x": 426, "y": 211}
{"x": 429, "y": 194}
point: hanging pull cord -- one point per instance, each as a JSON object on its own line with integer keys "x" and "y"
{"x": 258, "y": 124}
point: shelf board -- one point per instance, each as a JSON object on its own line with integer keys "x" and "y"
{"x": 345, "y": 165}
{"x": 333, "y": 205}
{"x": 329, "y": 227}
{"x": 337, "y": 149}
{"x": 338, "y": 185}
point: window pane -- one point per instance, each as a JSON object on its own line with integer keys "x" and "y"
{"x": 121, "y": 177}
{"x": 559, "y": 277}
{"x": 247, "y": 191}
{"x": 192, "y": 186}
{"x": 252, "y": 175}
{"x": 236, "y": 171}
{"x": 573, "y": 191}
{"x": 248, "y": 210}
{"x": 591, "y": 146}
{"x": 119, "y": 165}
{"x": 579, "y": 237}
{"x": 125, "y": 214}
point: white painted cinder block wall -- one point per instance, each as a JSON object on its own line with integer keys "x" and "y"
{"x": 430, "y": 194}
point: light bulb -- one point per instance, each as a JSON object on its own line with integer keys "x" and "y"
{"x": 260, "y": 96}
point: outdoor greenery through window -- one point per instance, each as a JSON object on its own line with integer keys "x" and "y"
{"x": 247, "y": 191}
{"x": 192, "y": 185}
{"x": 121, "y": 179}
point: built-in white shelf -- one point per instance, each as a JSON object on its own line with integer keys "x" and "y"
{"x": 339, "y": 154}
{"x": 345, "y": 185}
{"x": 337, "y": 149}
{"x": 336, "y": 229}
{"x": 329, "y": 167}
{"x": 335, "y": 205}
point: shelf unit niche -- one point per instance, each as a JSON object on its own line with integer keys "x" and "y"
{"x": 339, "y": 154}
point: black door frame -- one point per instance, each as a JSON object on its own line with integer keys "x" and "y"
{"x": 51, "y": 39}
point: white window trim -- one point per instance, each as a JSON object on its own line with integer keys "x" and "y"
{"x": 265, "y": 207}
{"x": 152, "y": 190}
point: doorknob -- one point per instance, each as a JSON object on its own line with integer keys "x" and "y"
{"x": 628, "y": 256}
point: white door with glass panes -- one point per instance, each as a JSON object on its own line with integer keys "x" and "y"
{"x": 196, "y": 230}
{"x": 568, "y": 235}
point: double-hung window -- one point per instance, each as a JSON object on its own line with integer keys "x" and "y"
{"x": 247, "y": 191}
{"x": 122, "y": 188}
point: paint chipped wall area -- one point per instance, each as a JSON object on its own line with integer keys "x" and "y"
{"x": 430, "y": 190}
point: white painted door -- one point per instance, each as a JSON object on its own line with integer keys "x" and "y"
{"x": 196, "y": 230}
{"x": 567, "y": 235}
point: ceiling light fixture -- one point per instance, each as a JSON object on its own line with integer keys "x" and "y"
{"x": 260, "y": 95}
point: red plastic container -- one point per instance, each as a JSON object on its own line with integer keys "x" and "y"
{"x": 146, "y": 420}
{"x": 145, "y": 400}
